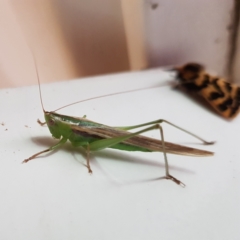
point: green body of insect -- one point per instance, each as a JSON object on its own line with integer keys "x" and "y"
{"x": 94, "y": 136}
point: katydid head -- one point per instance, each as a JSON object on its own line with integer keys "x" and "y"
{"x": 59, "y": 125}
{"x": 53, "y": 124}
{"x": 189, "y": 72}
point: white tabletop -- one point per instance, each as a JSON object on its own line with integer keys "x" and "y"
{"x": 54, "y": 197}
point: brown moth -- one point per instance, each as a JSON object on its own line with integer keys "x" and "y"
{"x": 223, "y": 96}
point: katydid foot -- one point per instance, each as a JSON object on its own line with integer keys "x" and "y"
{"x": 169, "y": 177}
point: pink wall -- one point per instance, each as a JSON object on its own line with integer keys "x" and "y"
{"x": 68, "y": 38}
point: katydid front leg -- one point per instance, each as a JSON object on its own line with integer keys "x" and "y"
{"x": 60, "y": 143}
{"x": 40, "y": 122}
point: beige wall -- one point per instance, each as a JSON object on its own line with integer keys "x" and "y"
{"x": 79, "y": 38}
{"x": 68, "y": 38}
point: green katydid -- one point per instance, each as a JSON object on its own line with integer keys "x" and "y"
{"x": 93, "y": 136}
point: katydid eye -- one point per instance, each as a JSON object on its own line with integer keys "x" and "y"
{"x": 51, "y": 122}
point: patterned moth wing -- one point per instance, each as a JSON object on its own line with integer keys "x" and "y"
{"x": 223, "y": 96}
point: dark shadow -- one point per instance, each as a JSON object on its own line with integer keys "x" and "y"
{"x": 44, "y": 141}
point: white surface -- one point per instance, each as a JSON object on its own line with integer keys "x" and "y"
{"x": 54, "y": 197}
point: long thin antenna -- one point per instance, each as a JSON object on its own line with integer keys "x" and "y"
{"x": 111, "y": 94}
{"x": 35, "y": 63}
{"x": 39, "y": 87}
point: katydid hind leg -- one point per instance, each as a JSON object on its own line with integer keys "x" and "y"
{"x": 60, "y": 143}
{"x": 159, "y": 121}
{"x": 168, "y": 176}
{"x": 105, "y": 143}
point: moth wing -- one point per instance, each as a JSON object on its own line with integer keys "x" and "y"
{"x": 223, "y": 96}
